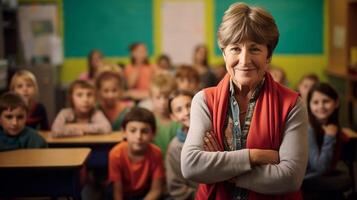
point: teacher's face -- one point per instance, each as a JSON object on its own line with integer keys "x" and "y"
{"x": 246, "y": 62}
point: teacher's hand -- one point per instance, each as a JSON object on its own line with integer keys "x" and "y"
{"x": 263, "y": 157}
{"x": 210, "y": 142}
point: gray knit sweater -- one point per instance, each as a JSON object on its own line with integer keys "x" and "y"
{"x": 210, "y": 167}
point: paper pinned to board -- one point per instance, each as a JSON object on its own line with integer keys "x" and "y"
{"x": 339, "y": 36}
{"x": 182, "y": 27}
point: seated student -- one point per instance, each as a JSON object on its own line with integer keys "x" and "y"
{"x": 109, "y": 92}
{"x": 139, "y": 72}
{"x": 24, "y": 83}
{"x": 325, "y": 142}
{"x": 305, "y": 84}
{"x": 163, "y": 64}
{"x": 200, "y": 63}
{"x": 82, "y": 117}
{"x": 179, "y": 187}
{"x": 187, "y": 78}
{"x": 94, "y": 62}
{"x": 279, "y": 75}
{"x": 13, "y": 131}
{"x": 160, "y": 87}
{"x": 135, "y": 165}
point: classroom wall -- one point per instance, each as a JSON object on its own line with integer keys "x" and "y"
{"x": 296, "y": 61}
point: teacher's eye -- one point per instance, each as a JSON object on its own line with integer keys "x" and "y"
{"x": 234, "y": 50}
{"x": 254, "y": 49}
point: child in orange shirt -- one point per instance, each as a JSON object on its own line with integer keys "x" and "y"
{"x": 138, "y": 73}
{"x": 135, "y": 165}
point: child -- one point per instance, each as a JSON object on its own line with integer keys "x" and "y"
{"x": 279, "y": 75}
{"x": 305, "y": 84}
{"x": 82, "y": 117}
{"x": 138, "y": 73}
{"x": 164, "y": 64}
{"x": 187, "y": 78}
{"x": 200, "y": 63}
{"x": 95, "y": 62}
{"x": 178, "y": 186}
{"x": 160, "y": 88}
{"x": 24, "y": 83}
{"x": 135, "y": 165}
{"x": 109, "y": 92}
{"x": 13, "y": 131}
{"x": 324, "y": 137}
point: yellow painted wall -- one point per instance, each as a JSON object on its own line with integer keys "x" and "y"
{"x": 295, "y": 65}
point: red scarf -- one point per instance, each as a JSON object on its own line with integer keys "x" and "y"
{"x": 266, "y": 130}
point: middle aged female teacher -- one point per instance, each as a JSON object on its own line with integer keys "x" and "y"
{"x": 248, "y": 135}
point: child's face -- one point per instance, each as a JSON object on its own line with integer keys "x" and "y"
{"x": 25, "y": 88}
{"x": 140, "y": 53}
{"x": 180, "y": 107}
{"x": 201, "y": 54}
{"x": 109, "y": 92}
{"x": 159, "y": 100}
{"x": 83, "y": 100}
{"x": 277, "y": 75}
{"x": 13, "y": 121}
{"x": 322, "y": 106}
{"x": 96, "y": 61}
{"x": 187, "y": 84}
{"x": 164, "y": 64}
{"x": 304, "y": 87}
{"x": 139, "y": 135}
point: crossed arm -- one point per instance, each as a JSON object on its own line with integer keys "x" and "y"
{"x": 253, "y": 169}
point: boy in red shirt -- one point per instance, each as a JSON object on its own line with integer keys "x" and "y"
{"x": 135, "y": 165}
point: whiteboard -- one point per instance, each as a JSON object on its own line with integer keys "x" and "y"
{"x": 182, "y": 28}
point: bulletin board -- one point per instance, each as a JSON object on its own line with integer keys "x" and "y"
{"x": 109, "y": 26}
{"x": 300, "y": 23}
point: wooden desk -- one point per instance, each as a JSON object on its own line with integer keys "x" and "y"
{"x": 41, "y": 172}
{"x": 100, "y": 145}
{"x": 113, "y": 138}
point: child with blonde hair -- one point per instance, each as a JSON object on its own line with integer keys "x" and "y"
{"x": 82, "y": 117}
{"x": 24, "y": 83}
{"x": 160, "y": 88}
{"x": 305, "y": 84}
{"x": 109, "y": 86}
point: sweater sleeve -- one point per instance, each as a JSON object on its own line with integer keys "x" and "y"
{"x": 208, "y": 167}
{"x": 59, "y": 128}
{"x": 319, "y": 160}
{"x": 99, "y": 124}
{"x": 178, "y": 187}
{"x": 288, "y": 175}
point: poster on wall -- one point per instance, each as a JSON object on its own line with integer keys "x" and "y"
{"x": 39, "y": 34}
{"x": 182, "y": 28}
